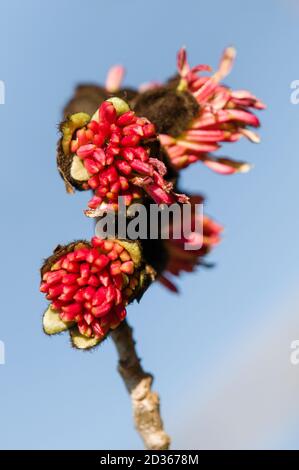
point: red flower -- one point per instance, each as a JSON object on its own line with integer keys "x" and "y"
{"x": 181, "y": 259}
{"x": 114, "y": 78}
{"x": 110, "y": 154}
{"x": 89, "y": 286}
{"x": 224, "y": 116}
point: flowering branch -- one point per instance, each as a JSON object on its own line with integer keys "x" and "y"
{"x": 145, "y": 402}
{"x": 130, "y": 145}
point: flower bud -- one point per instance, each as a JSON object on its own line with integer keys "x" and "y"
{"x": 89, "y": 295}
{"x": 194, "y": 114}
{"x": 114, "y": 153}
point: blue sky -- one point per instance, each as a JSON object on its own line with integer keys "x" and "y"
{"x": 55, "y": 397}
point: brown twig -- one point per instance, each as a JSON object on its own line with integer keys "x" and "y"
{"x": 146, "y": 404}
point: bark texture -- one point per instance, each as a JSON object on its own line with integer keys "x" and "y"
{"x": 145, "y": 402}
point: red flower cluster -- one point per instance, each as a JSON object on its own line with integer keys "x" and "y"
{"x": 114, "y": 151}
{"x": 91, "y": 285}
{"x": 182, "y": 260}
{"x": 224, "y": 116}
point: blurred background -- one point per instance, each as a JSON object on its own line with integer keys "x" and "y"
{"x": 220, "y": 351}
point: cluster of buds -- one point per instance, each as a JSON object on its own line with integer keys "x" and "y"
{"x": 212, "y": 114}
{"x": 110, "y": 153}
{"x": 132, "y": 144}
{"x": 89, "y": 285}
{"x": 200, "y": 243}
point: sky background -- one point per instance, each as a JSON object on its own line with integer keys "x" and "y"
{"x": 220, "y": 350}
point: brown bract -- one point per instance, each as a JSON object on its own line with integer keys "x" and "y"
{"x": 88, "y": 97}
{"x": 170, "y": 110}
